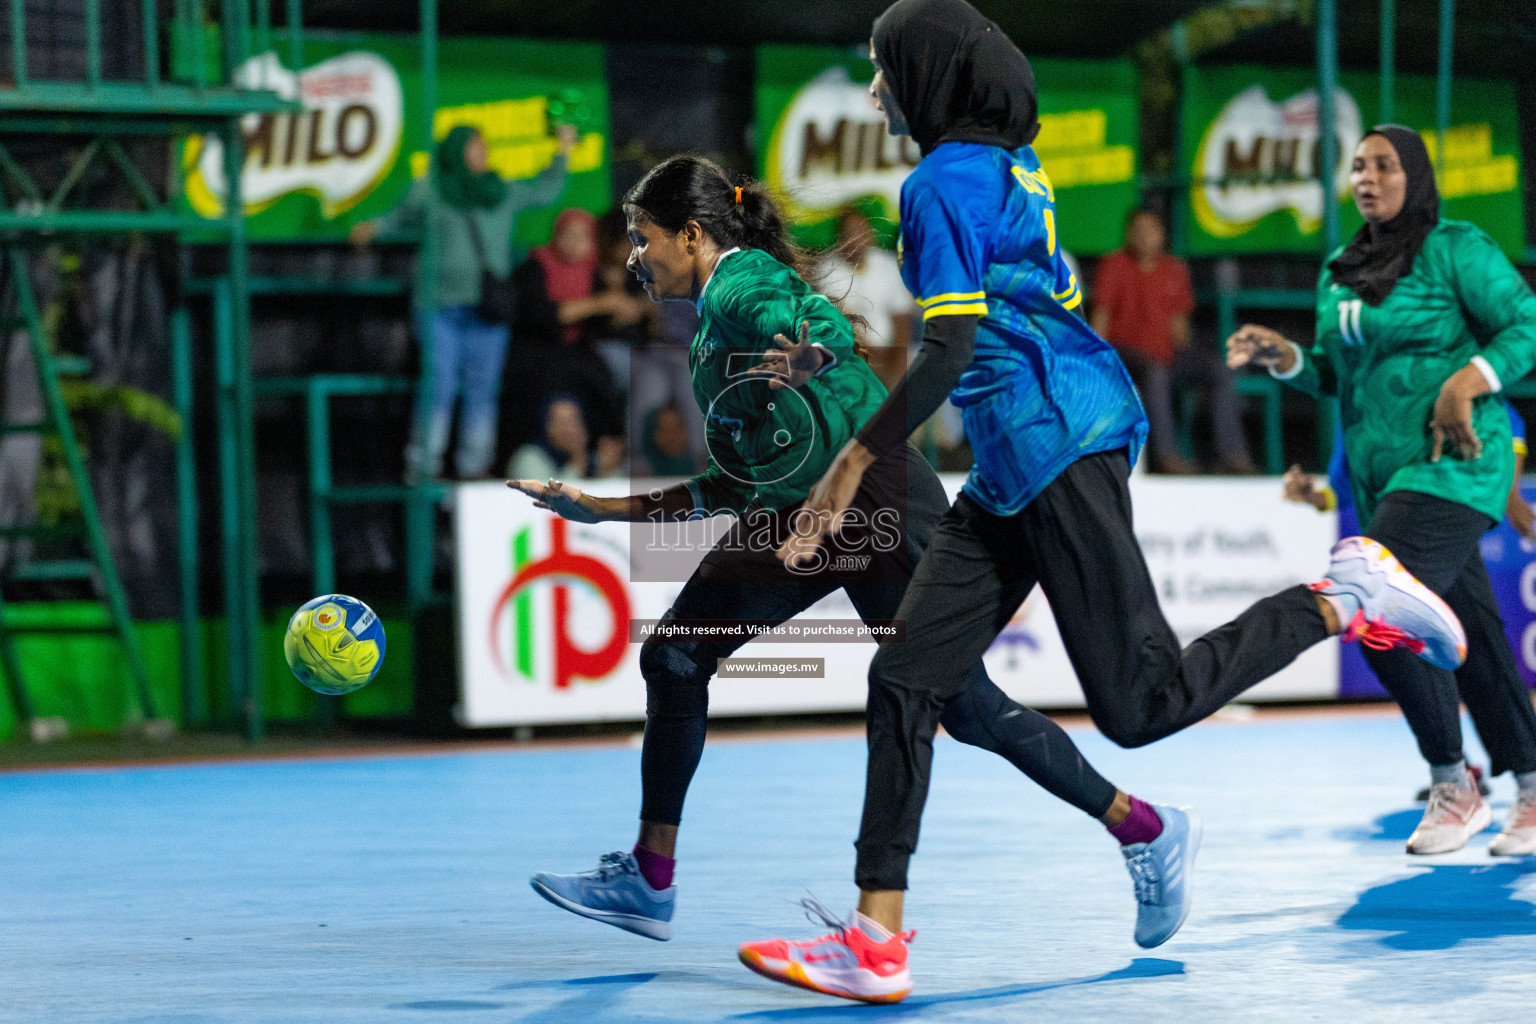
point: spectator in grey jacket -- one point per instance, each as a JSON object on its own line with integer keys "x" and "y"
{"x": 472, "y": 228}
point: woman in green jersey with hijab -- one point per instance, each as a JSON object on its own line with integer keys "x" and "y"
{"x": 1420, "y": 322}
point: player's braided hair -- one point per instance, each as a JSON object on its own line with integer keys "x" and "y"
{"x": 687, "y": 187}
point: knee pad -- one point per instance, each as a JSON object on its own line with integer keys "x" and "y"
{"x": 675, "y": 683}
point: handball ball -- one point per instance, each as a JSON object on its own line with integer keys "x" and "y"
{"x": 334, "y": 644}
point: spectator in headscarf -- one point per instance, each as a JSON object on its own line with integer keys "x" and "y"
{"x": 472, "y": 229}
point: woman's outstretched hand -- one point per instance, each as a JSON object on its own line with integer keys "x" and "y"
{"x": 562, "y": 499}
{"x": 1260, "y": 346}
{"x": 793, "y": 364}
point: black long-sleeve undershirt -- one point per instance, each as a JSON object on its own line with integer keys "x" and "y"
{"x": 948, "y": 346}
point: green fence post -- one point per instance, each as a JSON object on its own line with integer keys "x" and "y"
{"x": 244, "y": 563}
{"x": 151, "y": 26}
{"x": 93, "y": 42}
{"x": 19, "y": 42}
{"x": 317, "y": 407}
{"x": 418, "y": 505}
{"x": 1327, "y": 85}
{"x": 229, "y": 494}
{"x": 194, "y": 708}
{"x": 1388, "y": 58}
{"x": 1443, "y": 81}
{"x": 264, "y": 26}
{"x": 295, "y": 37}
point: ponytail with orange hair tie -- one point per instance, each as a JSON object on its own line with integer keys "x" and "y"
{"x": 738, "y": 195}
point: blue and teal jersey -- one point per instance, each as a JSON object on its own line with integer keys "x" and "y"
{"x": 978, "y": 237}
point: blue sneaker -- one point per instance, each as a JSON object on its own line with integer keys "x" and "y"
{"x": 615, "y": 893}
{"x": 1160, "y": 872}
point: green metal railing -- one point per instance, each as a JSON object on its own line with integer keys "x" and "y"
{"x": 186, "y": 88}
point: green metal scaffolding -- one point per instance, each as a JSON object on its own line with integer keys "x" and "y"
{"x": 186, "y": 90}
{"x": 172, "y": 100}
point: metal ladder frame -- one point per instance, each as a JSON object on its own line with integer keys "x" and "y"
{"x": 99, "y": 568}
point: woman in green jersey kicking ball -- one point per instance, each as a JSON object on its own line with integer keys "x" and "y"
{"x": 1420, "y": 322}
{"x": 777, "y": 411}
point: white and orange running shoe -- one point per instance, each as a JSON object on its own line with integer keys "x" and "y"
{"x": 858, "y": 960}
{"x": 1384, "y": 606}
{"x": 1454, "y": 815}
{"x": 1519, "y": 835}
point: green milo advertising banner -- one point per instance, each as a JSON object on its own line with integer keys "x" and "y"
{"x": 1250, "y": 144}
{"x": 822, "y": 144}
{"x": 353, "y": 150}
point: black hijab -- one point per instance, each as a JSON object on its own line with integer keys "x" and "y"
{"x": 1381, "y": 254}
{"x": 956, "y": 76}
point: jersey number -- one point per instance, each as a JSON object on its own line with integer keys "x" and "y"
{"x": 1038, "y": 183}
{"x": 1349, "y": 322}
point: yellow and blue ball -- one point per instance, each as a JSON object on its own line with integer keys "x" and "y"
{"x": 334, "y": 644}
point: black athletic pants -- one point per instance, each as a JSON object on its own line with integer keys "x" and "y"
{"x": 1437, "y": 541}
{"x": 1076, "y": 541}
{"x": 745, "y": 581}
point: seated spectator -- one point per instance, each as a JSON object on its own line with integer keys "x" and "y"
{"x": 664, "y": 443}
{"x": 561, "y": 450}
{"x": 866, "y": 281}
{"x": 553, "y": 350}
{"x": 1142, "y": 303}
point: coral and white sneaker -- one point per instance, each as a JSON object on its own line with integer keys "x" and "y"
{"x": 1519, "y": 835}
{"x": 858, "y": 960}
{"x": 1385, "y": 606}
{"x": 1454, "y": 815}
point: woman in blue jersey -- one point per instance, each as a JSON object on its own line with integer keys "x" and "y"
{"x": 1055, "y": 423}
{"x": 699, "y": 237}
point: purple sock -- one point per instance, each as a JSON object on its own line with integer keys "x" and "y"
{"x": 656, "y": 869}
{"x": 1142, "y": 825}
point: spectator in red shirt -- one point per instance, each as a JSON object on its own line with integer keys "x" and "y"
{"x": 1142, "y": 301}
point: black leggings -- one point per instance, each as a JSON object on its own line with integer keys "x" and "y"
{"x": 1437, "y": 541}
{"x": 738, "y": 581}
{"x": 1076, "y": 540}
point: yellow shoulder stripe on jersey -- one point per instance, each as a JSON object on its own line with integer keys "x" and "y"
{"x": 963, "y": 309}
{"x": 1073, "y": 302}
{"x": 952, "y": 297}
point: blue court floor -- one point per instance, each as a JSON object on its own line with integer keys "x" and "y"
{"x": 395, "y": 889}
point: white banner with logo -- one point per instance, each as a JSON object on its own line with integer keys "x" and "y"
{"x": 544, "y": 607}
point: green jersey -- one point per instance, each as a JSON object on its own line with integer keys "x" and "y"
{"x": 770, "y": 446}
{"x": 1463, "y": 302}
